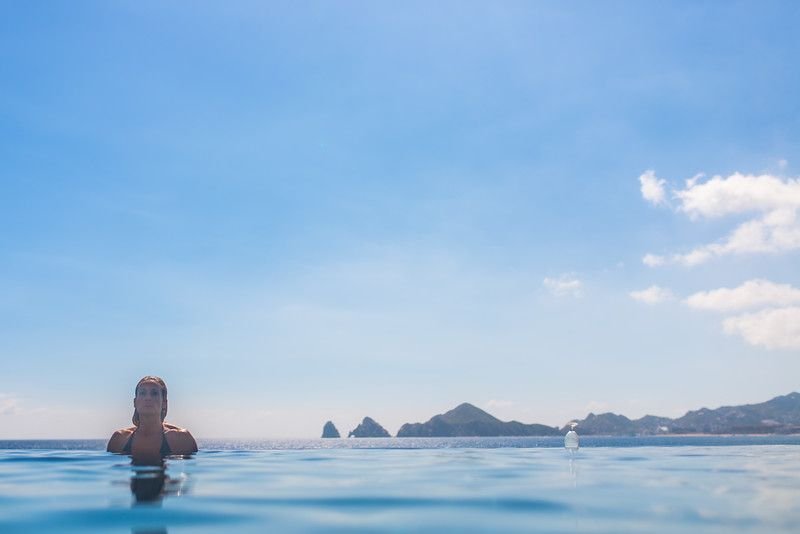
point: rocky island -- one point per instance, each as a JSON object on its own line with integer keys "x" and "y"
{"x": 369, "y": 428}
{"x": 467, "y": 420}
{"x": 330, "y": 430}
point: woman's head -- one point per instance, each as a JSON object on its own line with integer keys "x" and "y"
{"x": 150, "y": 396}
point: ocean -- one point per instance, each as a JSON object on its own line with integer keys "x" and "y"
{"x": 655, "y": 484}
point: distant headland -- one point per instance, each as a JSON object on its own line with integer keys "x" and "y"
{"x": 468, "y": 420}
{"x": 780, "y": 415}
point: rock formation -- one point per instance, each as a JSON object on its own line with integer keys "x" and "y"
{"x": 330, "y": 431}
{"x": 369, "y": 429}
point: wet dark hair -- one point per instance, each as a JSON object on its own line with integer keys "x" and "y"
{"x": 161, "y": 383}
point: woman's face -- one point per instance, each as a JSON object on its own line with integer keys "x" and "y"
{"x": 149, "y": 399}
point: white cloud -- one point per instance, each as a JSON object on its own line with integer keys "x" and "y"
{"x": 751, "y": 294}
{"x": 9, "y": 404}
{"x": 695, "y": 257}
{"x": 772, "y": 328}
{"x": 652, "y": 188}
{"x": 694, "y": 179}
{"x": 771, "y": 205}
{"x": 738, "y": 193}
{"x": 652, "y": 295}
{"x": 564, "y": 285}
{"x": 776, "y": 232}
{"x": 774, "y": 229}
{"x": 777, "y": 326}
{"x": 651, "y": 260}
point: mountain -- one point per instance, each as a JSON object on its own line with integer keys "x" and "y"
{"x": 775, "y": 416}
{"x": 330, "y": 430}
{"x": 780, "y": 415}
{"x": 606, "y": 423}
{"x": 369, "y": 428}
{"x": 467, "y": 420}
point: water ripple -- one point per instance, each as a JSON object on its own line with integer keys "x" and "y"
{"x": 692, "y": 487}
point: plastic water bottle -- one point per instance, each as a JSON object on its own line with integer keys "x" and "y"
{"x": 571, "y": 439}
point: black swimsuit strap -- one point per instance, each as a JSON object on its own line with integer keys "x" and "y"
{"x": 129, "y": 443}
{"x": 165, "y": 448}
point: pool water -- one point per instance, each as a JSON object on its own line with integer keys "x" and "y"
{"x": 397, "y": 485}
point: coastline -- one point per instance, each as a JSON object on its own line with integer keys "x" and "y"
{"x": 476, "y": 442}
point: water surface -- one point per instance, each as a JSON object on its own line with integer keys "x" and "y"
{"x": 698, "y": 484}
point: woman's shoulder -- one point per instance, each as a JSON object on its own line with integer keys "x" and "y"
{"x": 119, "y": 438}
{"x": 126, "y": 432}
{"x": 180, "y": 440}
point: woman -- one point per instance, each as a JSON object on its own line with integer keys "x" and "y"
{"x": 150, "y": 437}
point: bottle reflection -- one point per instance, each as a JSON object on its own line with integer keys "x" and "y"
{"x": 573, "y": 470}
{"x": 573, "y": 474}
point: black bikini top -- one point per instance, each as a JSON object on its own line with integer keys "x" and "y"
{"x": 165, "y": 450}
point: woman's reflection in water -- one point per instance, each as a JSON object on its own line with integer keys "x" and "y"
{"x": 147, "y": 486}
{"x": 148, "y": 480}
{"x": 150, "y": 484}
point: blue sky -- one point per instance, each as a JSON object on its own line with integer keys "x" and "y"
{"x": 302, "y": 213}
